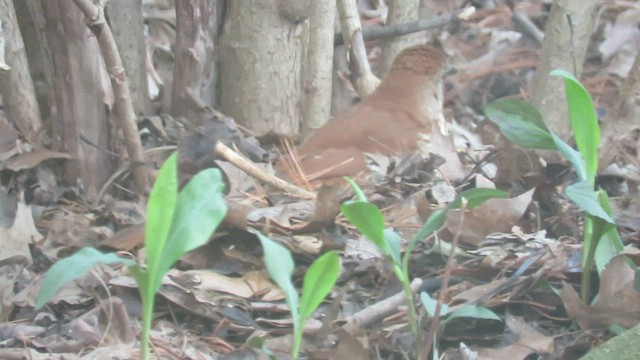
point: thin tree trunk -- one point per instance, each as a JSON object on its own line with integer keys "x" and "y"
{"x": 261, "y": 62}
{"x": 126, "y": 23}
{"x": 400, "y": 11}
{"x": 194, "y": 70}
{"x": 16, "y": 84}
{"x": 81, "y": 95}
{"x": 317, "y": 88}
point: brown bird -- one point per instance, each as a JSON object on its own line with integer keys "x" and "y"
{"x": 393, "y": 120}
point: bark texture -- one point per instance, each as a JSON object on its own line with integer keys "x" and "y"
{"x": 317, "y": 87}
{"x": 260, "y": 69}
{"x": 126, "y": 22}
{"x": 16, "y": 84}
{"x": 80, "y": 97}
{"x": 400, "y": 11}
{"x": 194, "y": 71}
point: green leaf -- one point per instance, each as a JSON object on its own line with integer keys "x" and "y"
{"x": 318, "y": 281}
{"x": 280, "y": 266}
{"x": 73, "y": 267}
{"x": 368, "y": 219}
{"x": 394, "y": 240}
{"x": 521, "y": 123}
{"x": 585, "y": 197}
{"x": 199, "y": 211}
{"x": 160, "y": 209}
{"x": 610, "y": 244}
{"x": 584, "y": 122}
{"x": 574, "y": 157}
{"x": 473, "y": 311}
{"x": 478, "y": 196}
{"x": 430, "y": 305}
{"x": 356, "y": 189}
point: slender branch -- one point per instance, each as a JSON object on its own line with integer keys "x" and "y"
{"x": 406, "y": 28}
{"x": 123, "y": 106}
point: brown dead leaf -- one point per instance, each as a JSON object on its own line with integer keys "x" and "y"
{"x": 617, "y": 301}
{"x": 32, "y": 158}
{"x": 248, "y": 286}
{"x": 496, "y": 215}
{"x": 15, "y": 240}
{"x": 529, "y": 341}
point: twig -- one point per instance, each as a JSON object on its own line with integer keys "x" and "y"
{"x": 408, "y": 28}
{"x": 374, "y": 313}
{"x": 527, "y": 26}
{"x": 426, "y": 350}
{"x": 123, "y": 107}
{"x": 250, "y": 168}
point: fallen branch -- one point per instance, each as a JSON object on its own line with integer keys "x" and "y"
{"x": 252, "y": 169}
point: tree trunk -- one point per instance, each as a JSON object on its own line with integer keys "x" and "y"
{"x": 194, "y": 70}
{"x": 16, "y": 84}
{"x": 261, "y": 62}
{"x": 126, "y": 22}
{"x": 82, "y": 97}
{"x": 560, "y": 51}
{"x": 317, "y": 88}
{"x": 34, "y": 32}
{"x": 400, "y": 11}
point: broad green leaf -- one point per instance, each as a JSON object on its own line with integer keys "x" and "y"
{"x": 430, "y": 305}
{"x": 473, "y": 311}
{"x": 356, "y": 189}
{"x": 280, "y": 266}
{"x": 394, "y": 240}
{"x": 160, "y": 209}
{"x": 585, "y": 197}
{"x": 368, "y": 219}
{"x": 584, "y": 122}
{"x": 199, "y": 210}
{"x": 318, "y": 281}
{"x": 610, "y": 245}
{"x": 521, "y": 123}
{"x": 574, "y": 157}
{"x": 74, "y": 267}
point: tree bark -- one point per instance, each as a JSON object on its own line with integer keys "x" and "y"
{"x": 194, "y": 70}
{"x": 81, "y": 97}
{"x": 561, "y": 51}
{"x": 126, "y": 23}
{"x": 260, "y": 69}
{"x": 400, "y": 11}
{"x": 34, "y": 32}
{"x": 317, "y": 88}
{"x": 16, "y": 84}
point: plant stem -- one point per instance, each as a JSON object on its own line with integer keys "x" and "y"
{"x": 411, "y": 311}
{"x": 297, "y": 339}
{"x": 147, "y": 317}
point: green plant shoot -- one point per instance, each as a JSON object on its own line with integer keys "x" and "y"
{"x": 318, "y": 281}
{"x": 176, "y": 223}
{"x": 368, "y": 219}
{"x": 522, "y": 123}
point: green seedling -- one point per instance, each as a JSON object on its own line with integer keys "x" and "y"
{"x": 176, "y": 223}
{"x": 368, "y": 219}
{"x": 522, "y": 123}
{"x": 318, "y": 281}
